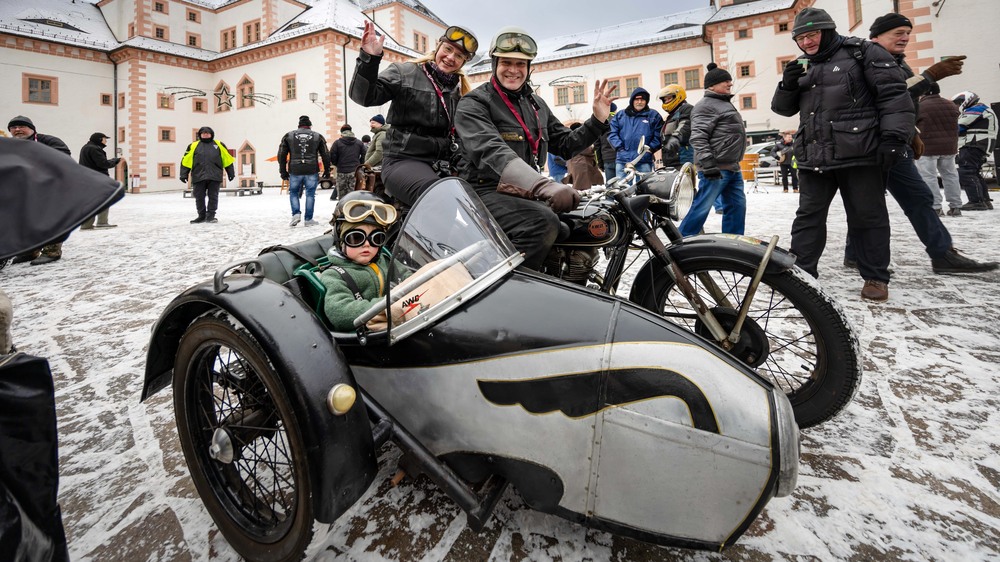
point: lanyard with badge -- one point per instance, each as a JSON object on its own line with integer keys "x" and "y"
{"x": 532, "y": 142}
{"x": 440, "y": 95}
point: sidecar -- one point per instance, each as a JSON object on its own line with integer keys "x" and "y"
{"x": 484, "y": 375}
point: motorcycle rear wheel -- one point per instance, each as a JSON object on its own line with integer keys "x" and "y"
{"x": 811, "y": 352}
{"x": 243, "y": 449}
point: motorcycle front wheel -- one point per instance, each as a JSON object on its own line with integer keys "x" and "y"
{"x": 795, "y": 336}
{"x": 238, "y": 433}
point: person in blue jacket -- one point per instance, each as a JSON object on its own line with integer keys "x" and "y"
{"x": 636, "y": 121}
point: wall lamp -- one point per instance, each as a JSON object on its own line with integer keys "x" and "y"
{"x": 313, "y": 96}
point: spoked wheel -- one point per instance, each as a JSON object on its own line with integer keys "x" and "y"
{"x": 243, "y": 449}
{"x": 794, "y": 335}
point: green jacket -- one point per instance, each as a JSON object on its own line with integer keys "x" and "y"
{"x": 373, "y": 157}
{"x": 340, "y": 305}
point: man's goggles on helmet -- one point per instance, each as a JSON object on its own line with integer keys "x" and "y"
{"x": 463, "y": 38}
{"x": 356, "y": 238}
{"x": 515, "y": 43}
{"x": 359, "y": 210}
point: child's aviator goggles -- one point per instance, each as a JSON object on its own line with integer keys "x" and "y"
{"x": 515, "y": 43}
{"x": 357, "y": 237}
{"x": 359, "y": 210}
{"x": 462, "y": 37}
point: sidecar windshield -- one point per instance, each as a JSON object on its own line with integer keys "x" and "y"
{"x": 449, "y": 249}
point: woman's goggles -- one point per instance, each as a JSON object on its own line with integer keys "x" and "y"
{"x": 515, "y": 43}
{"x": 359, "y": 210}
{"x": 357, "y": 238}
{"x": 462, "y": 38}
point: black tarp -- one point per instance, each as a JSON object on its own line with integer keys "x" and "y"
{"x": 45, "y": 194}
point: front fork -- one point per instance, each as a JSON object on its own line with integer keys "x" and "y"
{"x": 704, "y": 313}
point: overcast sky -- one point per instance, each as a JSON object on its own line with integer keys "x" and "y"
{"x": 550, "y": 18}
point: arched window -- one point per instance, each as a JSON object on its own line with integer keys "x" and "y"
{"x": 247, "y": 160}
{"x": 223, "y": 97}
{"x": 245, "y": 92}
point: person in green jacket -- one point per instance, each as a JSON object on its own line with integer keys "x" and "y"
{"x": 357, "y": 276}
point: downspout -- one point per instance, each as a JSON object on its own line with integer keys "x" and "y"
{"x": 343, "y": 64}
{"x": 114, "y": 105}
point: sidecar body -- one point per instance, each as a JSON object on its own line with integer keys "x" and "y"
{"x": 593, "y": 408}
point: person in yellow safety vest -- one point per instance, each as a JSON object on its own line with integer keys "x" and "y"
{"x": 203, "y": 164}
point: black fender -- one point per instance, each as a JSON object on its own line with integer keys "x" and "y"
{"x": 721, "y": 248}
{"x": 339, "y": 449}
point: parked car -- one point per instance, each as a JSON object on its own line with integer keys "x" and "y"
{"x": 766, "y": 152}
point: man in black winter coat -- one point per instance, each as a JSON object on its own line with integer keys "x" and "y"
{"x": 22, "y": 128}
{"x": 855, "y": 122}
{"x": 203, "y": 162}
{"x": 346, "y": 154}
{"x": 300, "y": 154}
{"x": 92, "y": 156}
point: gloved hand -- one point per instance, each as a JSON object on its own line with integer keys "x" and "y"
{"x": 918, "y": 146}
{"x": 232, "y": 177}
{"x": 115, "y": 161}
{"x": 184, "y": 179}
{"x": 533, "y": 185}
{"x": 946, "y": 68}
{"x": 672, "y": 147}
{"x": 284, "y": 176}
{"x": 790, "y": 77}
{"x": 561, "y": 197}
{"x": 889, "y": 152}
{"x": 712, "y": 173}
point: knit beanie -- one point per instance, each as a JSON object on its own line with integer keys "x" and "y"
{"x": 346, "y": 128}
{"x": 888, "y": 22}
{"x": 811, "y": 19}
{"x": 379, "y": 119}
{"x": 716, "y": 75}
{"x": 21, "y": 120}
{"x": 304, "y": 121}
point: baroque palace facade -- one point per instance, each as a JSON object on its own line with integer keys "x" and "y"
{"x": 149, "y": 73}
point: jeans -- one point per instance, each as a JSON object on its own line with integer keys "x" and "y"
{"x": 734, "y": 210}
{"x": 861, "y": 189}
{"x": 639, "y": 168}
{"x": 907, "y": 187}
{"x": 610, "y": 172}
{"x": 930, "y": 167}
{"x": 295, "y": 183}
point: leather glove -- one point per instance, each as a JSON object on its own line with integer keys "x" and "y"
{"x": 232, "y": 177}
{"x": 672, "y": 147}
{"x": 790, "y": 77}
{"x": 918, "y": 146}
{"x": 284, "y": 176}
{"x": 561, "y": 198}
{"x": 889, "y": 152}
{"x": 945, "y": 68}
{"x": 184, "y": 179}
{"x": 712, "y": 173}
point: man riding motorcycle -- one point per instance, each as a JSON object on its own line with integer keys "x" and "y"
{"x": 506, "y": 130}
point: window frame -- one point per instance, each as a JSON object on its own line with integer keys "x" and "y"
{"x": 53, "y": 89}
{"x": 168, "y": 98}
{"x": 196, "y": 37}
{"x": 171, "y": 133}
{"x": 750, "y": 65}
{"x": 161, "y": 29}
{"x": 753, "y": 102}
{"x": 224, "y": 39}
{"x": 284, "y": 87}
{"x": 109, "y": 97}
{"x": 697, "y": 76}
{"x": 663, "y": 77}
{"x": 747, "y": 30}
{"x": 195, "y": 13}
{"x": 169, "y": 166}
{"x": 196, "y": 101}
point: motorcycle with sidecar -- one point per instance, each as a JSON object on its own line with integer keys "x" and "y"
{"x": 485, "y": 376}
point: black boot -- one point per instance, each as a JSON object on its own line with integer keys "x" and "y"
{"x": 198, "y": 220}
{"x": 211, "y": 218}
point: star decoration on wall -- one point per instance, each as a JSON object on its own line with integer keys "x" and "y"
{"x": 223, "y": 97}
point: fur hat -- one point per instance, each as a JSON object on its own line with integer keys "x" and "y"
{"x": 21, "y": 120}
{"x": 379, "y": 119}
{"x": 304, "y": 121}
{"x": 887, "y": 22}
{"x": 812, "y": 19}
{"x": 716, "y": 75}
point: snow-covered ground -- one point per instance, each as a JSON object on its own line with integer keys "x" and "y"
{"x": 910, "y": 470}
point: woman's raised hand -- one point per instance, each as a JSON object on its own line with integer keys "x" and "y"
{"x": 371, "y": 41}
{"x": 603, "y": 95}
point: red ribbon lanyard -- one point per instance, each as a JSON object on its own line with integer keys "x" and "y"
{"x": 440, "y": 95}
{"x": 533, "y": 142}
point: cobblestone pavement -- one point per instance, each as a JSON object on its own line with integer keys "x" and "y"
{"x": 910, "y": 470}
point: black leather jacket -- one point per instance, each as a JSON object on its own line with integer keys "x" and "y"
{"x": 306, "y": 148}
{"x": 492, "y": 137}
{"x": 420, "y": 127}
{"x": 847, "y": 103}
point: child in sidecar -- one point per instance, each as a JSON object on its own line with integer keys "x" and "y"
{"x": 356, "y": 277}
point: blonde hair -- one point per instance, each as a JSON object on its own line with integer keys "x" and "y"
{"x": 464, "y": 86}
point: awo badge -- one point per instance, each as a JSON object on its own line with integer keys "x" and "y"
{"x": 598, "y": 228}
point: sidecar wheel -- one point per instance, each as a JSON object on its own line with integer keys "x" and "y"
{"x": 243, "y": 447}
{"x": 804, "y": 346}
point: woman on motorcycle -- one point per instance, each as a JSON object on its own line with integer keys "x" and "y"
{"x": 421, "y": 142}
